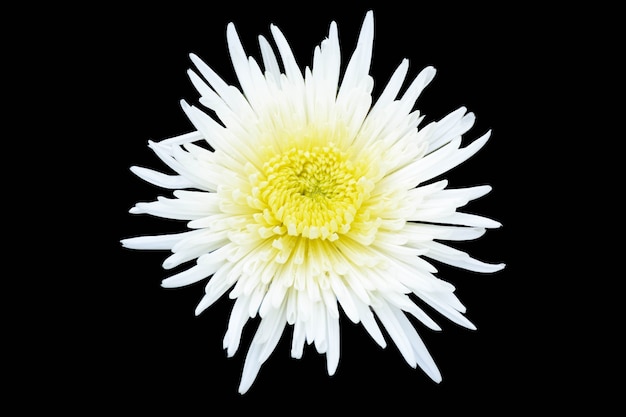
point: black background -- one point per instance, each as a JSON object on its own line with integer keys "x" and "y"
{"x": 116, "y": 341}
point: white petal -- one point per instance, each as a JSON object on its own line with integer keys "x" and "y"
{"x": 217, "y": 286}
{"x": 327, "y": 65}
{"x": 416, "y": 232}
{"x": 289, "y": 61}
{"x": 333, "y": 352}
{"x": 206, "y": 266}
{"x": 438, "y": 303}
{"x": 179, "y": 258}
{"x": 231, "y": 99}
{"x": 166, "y": 154}
{"x": 359, "y": 64}
{"x": 403, "y": 302}
{"x": 158, "y": 242}
{"x": 436, "y": 206}
{"x": 215, "y": 289}
{"x": 390, "y": 321}
{"x": 264, "y": 342}
{"x": 415, "y": 89}
{"x": 345, "y": 298}
{"x": 220, "y": 138}
{"x": 453, "y": 125}
{"x": 411, "y": 274}
{"x": 464, "y": 195}
{"x": 182, "y": 139}
{"x": 447, "y": 157}
{"x": 251, "y": 368}
{"x": 188, "y": 277}
{"x": 269, "y": 331}
{"x": 274, "y": 298}
{"x": 238, "y": 318}
{"x": 167, "y": 209}
{"x": 466, "y": 219}
{"x": 330, "y": 302}
{"x": 262, "y": 98}
{"x": 298, "y": 340}
{"x": 392, "y": 88}
{"x": 353, "y": 107}
{"x": 436, "y": 162}
{"x": 162, "y": 180}
{"x": 194, "y": 246}
{"x": 239, "y": 60}
{"x": 445, "y": 295}
{"x": 458, "y": 258}
{"x": 210, "y": 98}
{"x": 319, "y": 333}
{"x": 291, "y": 310}
{"x": 369, "y": 323}
{"x": 421, "y": 355}
{"x": 272, "y": 69}
{"x": 384, "y": 281}
{"x": 357, "y": 287}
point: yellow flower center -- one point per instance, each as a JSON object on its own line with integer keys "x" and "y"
{"x": 315, "y": 192}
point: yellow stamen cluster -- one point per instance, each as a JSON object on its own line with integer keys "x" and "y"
{"x": 314, "y": 192}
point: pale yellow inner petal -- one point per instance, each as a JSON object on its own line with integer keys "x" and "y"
{"x": 313, "y": 192}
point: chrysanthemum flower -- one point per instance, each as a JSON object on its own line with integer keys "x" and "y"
{"x": 306, "y": 202}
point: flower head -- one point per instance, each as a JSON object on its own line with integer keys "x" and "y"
{"x": 306, "y": 201}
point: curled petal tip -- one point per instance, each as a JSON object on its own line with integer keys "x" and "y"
{"x": 200, "y": 308}
{"x": 430, "y": 70}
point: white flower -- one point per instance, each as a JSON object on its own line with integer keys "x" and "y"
{"x": 305, "y": 200}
